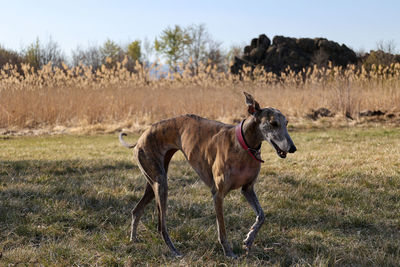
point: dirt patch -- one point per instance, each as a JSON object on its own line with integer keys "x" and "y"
{"x": 379, "y": 116}
{"x": 319, "y": 113}
{"x": 371, "y": 113}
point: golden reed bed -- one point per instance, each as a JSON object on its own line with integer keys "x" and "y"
{"x": 79, "y": 97}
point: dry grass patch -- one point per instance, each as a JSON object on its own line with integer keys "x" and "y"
{"x": 66, "y": 200}
{"x": 80, "y": 98}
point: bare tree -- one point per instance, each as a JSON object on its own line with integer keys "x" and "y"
{"x": 387, "y": 47}
{"x": 197, "y": 49}
{"x": 147, "y": 51}
{"x": 215, "y": 56}
{"x": 236, "y": 50}
{"x": 51, "y": 52}
{"x": 38, "y": 55}
{"x": 384, "y": 55}
{"x": 386, "y": 52}
{"x": 88, "y": 57}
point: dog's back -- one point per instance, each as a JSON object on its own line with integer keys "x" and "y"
{"x": 195, "y": 136}
{"x": 186, "y": 133}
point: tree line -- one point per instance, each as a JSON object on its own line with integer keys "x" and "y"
{"x": 191, "y": 46}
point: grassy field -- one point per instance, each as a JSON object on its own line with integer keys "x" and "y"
{"x": 65, "y": 200}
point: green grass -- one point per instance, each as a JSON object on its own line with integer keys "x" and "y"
{"x": 66, "y": 200}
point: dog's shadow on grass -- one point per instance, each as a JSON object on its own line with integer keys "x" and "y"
{"x": 77, "y": 194}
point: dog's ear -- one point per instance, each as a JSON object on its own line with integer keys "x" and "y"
{"x": 253, "y": 106}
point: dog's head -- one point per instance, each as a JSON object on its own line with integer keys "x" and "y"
{"x": 272, "y": 125}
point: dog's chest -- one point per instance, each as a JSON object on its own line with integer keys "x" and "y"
{"x": 242, "y": 174}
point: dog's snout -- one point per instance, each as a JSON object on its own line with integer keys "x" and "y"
{"x": 292, "y": 149}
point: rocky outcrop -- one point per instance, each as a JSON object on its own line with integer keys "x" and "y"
{"x": 319, "y": 113}
{"x": 295, "y": 53}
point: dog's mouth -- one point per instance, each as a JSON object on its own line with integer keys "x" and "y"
{"x": 279, "y": 151}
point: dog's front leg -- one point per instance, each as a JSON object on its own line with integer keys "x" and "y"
{"x": 251, "y": 197}
{"x": 218, "y": 203}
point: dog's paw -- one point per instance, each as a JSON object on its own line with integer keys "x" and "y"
{"x": 231, "y": 255}
{"x": 247, "y": 243}
{"x": 177, "y": 254}
{"x": 134, "y": 239}
{"x": 246, "y": 248}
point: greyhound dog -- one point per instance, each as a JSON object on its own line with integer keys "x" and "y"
{"x": 224, "y": 156}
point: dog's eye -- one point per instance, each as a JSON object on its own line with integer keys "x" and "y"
{"x": 274, "y": 123}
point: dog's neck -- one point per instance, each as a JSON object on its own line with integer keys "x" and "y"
{"x": 251, "y": 133}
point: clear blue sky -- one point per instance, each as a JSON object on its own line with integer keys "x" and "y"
{"x": 358, "y": 24}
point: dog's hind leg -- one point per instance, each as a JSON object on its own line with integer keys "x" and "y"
{"x": 139, "y": 208}
{"x": 161, "y": 193}
{"x": 153, "y": 167}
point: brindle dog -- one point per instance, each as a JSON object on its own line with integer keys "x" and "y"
{"x": 214, "y": 151}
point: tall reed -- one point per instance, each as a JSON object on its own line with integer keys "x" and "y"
{"x": 81, "y": 96}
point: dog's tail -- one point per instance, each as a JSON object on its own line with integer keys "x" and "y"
{"x": 121, "y": 140}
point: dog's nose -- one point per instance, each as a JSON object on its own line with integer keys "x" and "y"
{"x": 292, "y": 149}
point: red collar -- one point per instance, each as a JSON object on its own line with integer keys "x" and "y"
{"x": 252, "y": 152}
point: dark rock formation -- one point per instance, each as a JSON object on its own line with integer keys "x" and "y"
{"x": 319, "y": 113}
{"x": 294, "y": 53}
{"x": 370, "y": 113}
